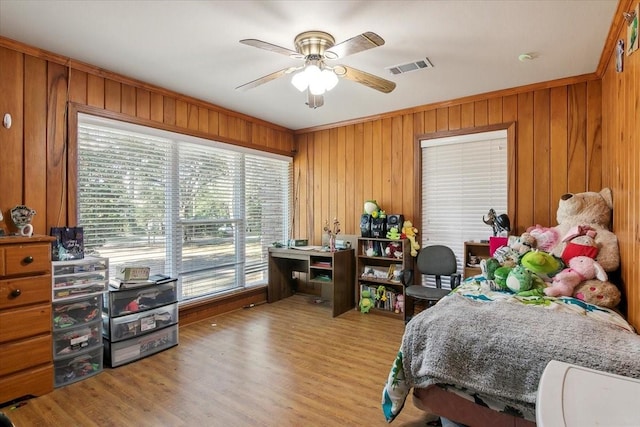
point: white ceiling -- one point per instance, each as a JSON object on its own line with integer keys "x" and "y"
{"x": 192, "y": 47}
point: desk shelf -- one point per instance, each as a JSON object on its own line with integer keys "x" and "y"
{"x": 333, "y": 271}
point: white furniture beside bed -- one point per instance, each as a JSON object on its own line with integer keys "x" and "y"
{"x": 571, "y": 395}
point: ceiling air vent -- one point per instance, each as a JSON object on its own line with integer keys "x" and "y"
{"x": 410, "y": 66}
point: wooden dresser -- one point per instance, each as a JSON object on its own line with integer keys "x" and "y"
{"x": 26, "y": 367}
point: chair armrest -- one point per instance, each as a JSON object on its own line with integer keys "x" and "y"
{"x": 455, "y": 280}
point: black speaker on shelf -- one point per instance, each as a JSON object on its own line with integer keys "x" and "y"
{"x": 379, "y": 227}
{"x": 365, "y": 225}
{"x": 395, "y": 221}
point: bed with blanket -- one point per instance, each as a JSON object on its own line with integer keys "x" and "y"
{"x": 476, "y": 357}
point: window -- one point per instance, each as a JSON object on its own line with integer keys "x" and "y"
{"x": 201, "y": 211}
{"x": 462, "y": 178}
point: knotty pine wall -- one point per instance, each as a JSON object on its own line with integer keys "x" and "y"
{"x": 572, "y": 135}
{"x": 42, "y": 91}
{"x": 621, "y": 161}
{"x": 557, "y": 149}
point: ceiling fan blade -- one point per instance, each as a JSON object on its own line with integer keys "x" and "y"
{"x": 374, "y": 82}
{"x": 314, "y": 101}
{"x": 355, "y": 44}
{"x": 272, "y": 48}
{"x": 267, "y": 78}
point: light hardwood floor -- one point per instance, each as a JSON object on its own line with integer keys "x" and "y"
{"x": 283, "y": 364}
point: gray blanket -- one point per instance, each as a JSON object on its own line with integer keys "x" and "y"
{"x": 500, "y": 349}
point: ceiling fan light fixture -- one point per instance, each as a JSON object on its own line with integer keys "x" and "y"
{"x": 300, "y": 81}
{"x": 317, "y": 81}
{"x": 329, "y": 78}
{"x": 316, "y": 87}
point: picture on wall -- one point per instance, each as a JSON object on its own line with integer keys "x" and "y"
{"x": 633, "y": 41}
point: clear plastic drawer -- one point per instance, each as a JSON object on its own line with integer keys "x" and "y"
{"x": 79, "y": 277}
{"x": 76, "y": 339}
{"x": 125, "y": 327}
{"x": 75, "y": 312}
{"x": 77, "y": 367}
{"x": 119, "y": 353}
{"x": 125, "y": 302}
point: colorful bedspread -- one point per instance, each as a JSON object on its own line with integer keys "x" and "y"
{"x": 496, "y": 345}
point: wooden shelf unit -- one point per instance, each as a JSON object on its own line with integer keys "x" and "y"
{"x": 480, "y": 250}
{"x": 381, "y": 263}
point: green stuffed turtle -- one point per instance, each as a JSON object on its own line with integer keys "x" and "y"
{"x": 500, "y": 277}
{"x": 541, "y": 263}
{"x": 365, "y": 301}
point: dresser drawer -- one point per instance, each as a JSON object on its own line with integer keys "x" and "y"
{"x": 37, "y": 381}
{"x": 23, "y": 354}
{"x": 24, "y": 291}
{"x": 27, "y": 259}
{"x": 25, "y": 322}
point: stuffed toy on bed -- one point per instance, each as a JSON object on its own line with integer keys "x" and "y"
{"x": 598, "y": 292}
{"x": 584, "y": 222}
{"x": 593, "y": 210}
{"x": 581, "y": 268}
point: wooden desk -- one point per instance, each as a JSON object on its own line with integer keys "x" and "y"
{"x": 330, "y": 269}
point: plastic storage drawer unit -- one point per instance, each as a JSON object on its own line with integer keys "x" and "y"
{"x": 119, "y": 353}
{"x": 129, "y": 326}
{"x": 77, "y": 367}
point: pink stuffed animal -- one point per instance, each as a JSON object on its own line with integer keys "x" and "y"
{"x": 399, "y": 308}
{"x": 581, "y": 268}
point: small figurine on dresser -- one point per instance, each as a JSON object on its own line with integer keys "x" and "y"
{"x": 21, "y": 217}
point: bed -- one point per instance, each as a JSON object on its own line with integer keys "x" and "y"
{"x": 476, "y": 357}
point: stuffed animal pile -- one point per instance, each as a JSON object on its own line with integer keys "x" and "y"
{"x": 569, "y": 259}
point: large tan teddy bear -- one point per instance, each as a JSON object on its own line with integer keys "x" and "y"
{"x": 593, "y": 210}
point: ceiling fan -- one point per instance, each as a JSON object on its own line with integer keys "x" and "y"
{"x": 318, "y": 49}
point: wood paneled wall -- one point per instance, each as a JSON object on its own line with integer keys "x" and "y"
{"x": 573, "y": 135}
{"x": 558, "y": 149}
{"x": 42, "y": 91}
{"x": 579, "y": 134}
{"x": 621, "y": 164}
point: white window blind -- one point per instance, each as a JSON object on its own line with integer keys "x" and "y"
{"x": 201, "y": 211}
{"x": 462, "y": 178}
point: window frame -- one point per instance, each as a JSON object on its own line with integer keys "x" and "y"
{"x": 512, "y": 198}
{"x": 71, "y": 207}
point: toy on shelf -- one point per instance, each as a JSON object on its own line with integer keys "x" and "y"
{"x": 365, "y": 301}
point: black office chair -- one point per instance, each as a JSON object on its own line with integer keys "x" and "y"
{"x": 435, "y": 260}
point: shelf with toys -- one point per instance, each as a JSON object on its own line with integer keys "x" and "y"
{"x": 380, "y": 264}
